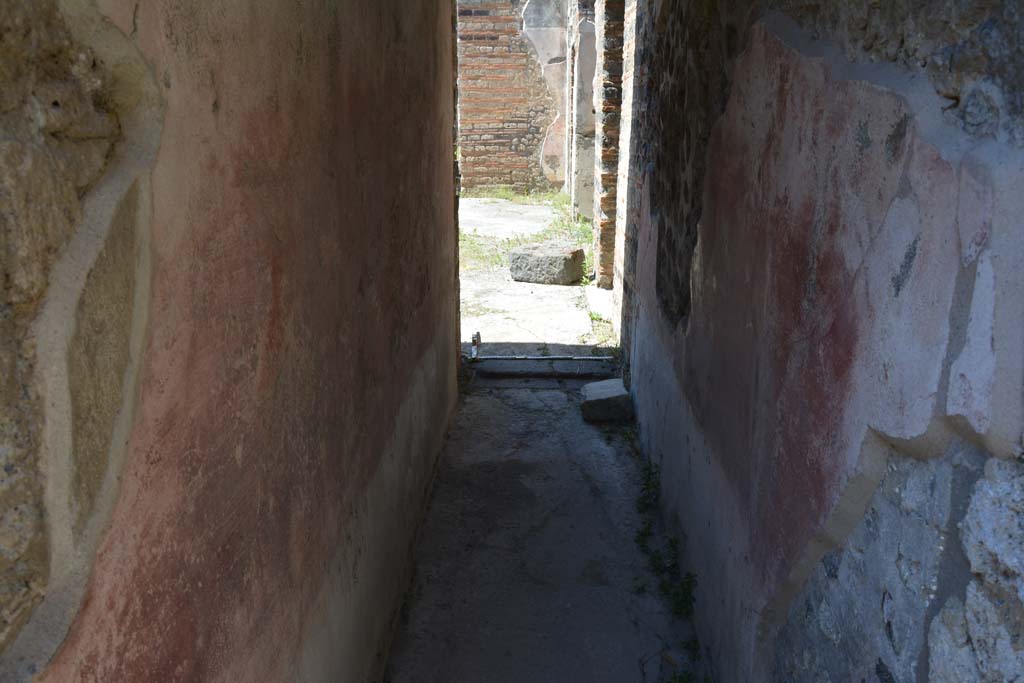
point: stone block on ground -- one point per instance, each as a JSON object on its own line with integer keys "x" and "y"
{"x": 607, "y": 401}
{"x": 547, "y": 264}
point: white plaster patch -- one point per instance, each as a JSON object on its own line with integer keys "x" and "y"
{"x": 972, "y": 376}
{"x": 906, "y": 346}
{"x": 974, "y": 213}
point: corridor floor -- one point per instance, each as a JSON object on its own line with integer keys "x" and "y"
{"x": 527, "y": 568}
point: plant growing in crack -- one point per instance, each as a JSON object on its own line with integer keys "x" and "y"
{"x": 678, "y": 589}
{"x": 650, "y": 490}
{"x": 682, "y": 595}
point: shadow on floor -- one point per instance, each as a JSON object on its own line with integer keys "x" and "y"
{"x": 528, "y": 568}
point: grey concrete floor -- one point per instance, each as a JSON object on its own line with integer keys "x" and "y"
{"x": 526, "y": 568}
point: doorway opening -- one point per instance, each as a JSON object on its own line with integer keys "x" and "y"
{"x": 528, "y": 253}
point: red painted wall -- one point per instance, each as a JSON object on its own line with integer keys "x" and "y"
{"x": 820, "y": 323}
{"x": 303, "y": 281}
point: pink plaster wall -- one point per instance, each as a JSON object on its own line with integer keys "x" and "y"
{"x": 829, "y": 222}
{"x": 823, "y": 323}
{"x": 303, "y": 277}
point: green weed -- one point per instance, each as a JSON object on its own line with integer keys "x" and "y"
{"x": 679, "y": 590}
{"x": 650, "y": 489}
{"x": 479, "y": 253}
{"x": 681, "y": 597}
{"x": 510, "y": 194}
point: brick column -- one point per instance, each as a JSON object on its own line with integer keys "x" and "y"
{"x": 629, "y": 175}
{"x": 609, "y": 20}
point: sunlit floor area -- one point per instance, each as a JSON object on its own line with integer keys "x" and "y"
{"x": 504, "y": 311}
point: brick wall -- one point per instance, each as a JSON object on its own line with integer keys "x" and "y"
{"x": 610, "y": 17}
{"x": 504, "y": 105}
{"x": 634, "y": 102}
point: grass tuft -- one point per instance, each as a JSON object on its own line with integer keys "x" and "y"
{"x": 678, "y": 589}
{"x": 650, "y": 489}
{"x": 510, "y": 194}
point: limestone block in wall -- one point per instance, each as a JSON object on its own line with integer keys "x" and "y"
{"x": 901, "y": 575}
{"x": 993, "y": 538}
{"x": 951, "y": 659}
{"x": 994, "y": 527}
{"x": 980, "y": 637}
{"x": 545, "y": 13}
{"x": 995, "y": 631}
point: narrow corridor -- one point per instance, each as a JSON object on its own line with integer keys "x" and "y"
{"x": 527, "y": 568}
{"x": 243, "y": 246}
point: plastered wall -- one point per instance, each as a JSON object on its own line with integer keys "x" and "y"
{"x": 229, "y": 332}
{"x": 820, "y": 262}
